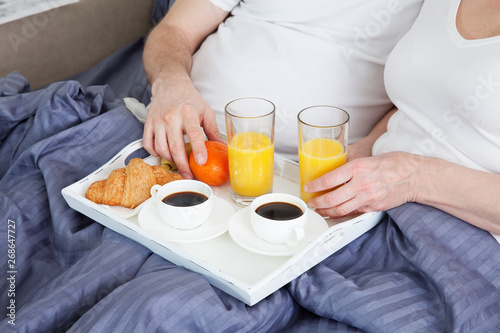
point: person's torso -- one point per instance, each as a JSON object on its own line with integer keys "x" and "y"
{"x": 447, "y": 90}
{"x": 303, "y": 53}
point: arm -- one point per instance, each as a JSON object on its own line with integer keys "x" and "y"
{"x": 363, "y": 147}
{"x": 389, "y": 180}
{"x": 177, "y": 108}
{"x": 468, "y": 194}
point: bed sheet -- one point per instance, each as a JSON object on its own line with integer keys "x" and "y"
{"x": 419, "y": 270}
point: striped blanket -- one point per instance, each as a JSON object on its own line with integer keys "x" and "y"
{"x": 419, "y": 270}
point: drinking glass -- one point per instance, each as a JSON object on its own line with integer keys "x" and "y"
{"x": 250, "y": 142}
{"x": 323, "y": 133}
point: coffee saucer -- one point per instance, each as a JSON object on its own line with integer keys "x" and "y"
{"x": 241, "y": 231}
{"x": 151, "y": 221}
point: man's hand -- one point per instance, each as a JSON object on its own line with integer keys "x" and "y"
{"x": 178, "y": 109}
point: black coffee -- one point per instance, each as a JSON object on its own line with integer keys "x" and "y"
{"x": 279, "y": 211}
{"x": 185, "y": 199}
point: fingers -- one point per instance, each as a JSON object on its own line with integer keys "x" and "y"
{"x": 177, "y": 149}
{"x": 164, "y": 134}
{"x": 344, "y": 201}
{"x": 160, "y": 142}
{"x": 328, "y": 203}
{"x": 197, "y": 138}
{"x": 372, "y": 184}
{"x": 154, "y": 136}
{"x": 347, "y": 208}
{"x": 210, "y": 127}
{"x": 345, "y": 193}
{"x": 148, "y": 139}
{"x": 330, "y": 180}
{"x": 334, "y": 200}
{"x": 333, "y": 212}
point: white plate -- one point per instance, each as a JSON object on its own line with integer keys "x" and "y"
{"x": 240, "y": 229}
{"x": 216, "y": 225}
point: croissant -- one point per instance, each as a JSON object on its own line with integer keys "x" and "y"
{"x": 129, "y": 186}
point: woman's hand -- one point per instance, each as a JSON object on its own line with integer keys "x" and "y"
{"x": 367, "y": 184}
{"x": 177, "y": 109}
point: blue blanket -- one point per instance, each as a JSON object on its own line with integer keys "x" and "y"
{"x": 419, "y": 270}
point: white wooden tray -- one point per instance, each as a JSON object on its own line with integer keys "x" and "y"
{"x": 244, "y": 274}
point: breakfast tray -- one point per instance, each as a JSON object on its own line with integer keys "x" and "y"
{"x": 247, "y": 275}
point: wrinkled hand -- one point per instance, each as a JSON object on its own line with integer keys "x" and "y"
{"x": 367, "y": 184}
{"x": 178, "y": 109}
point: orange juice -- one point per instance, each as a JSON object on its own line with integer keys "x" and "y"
{"x": 251, "y": 158}
{"x": 317, "y": 157}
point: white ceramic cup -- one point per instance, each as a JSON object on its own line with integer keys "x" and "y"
{"x": 183, "y": 218}
{"x": 289, "y": 232}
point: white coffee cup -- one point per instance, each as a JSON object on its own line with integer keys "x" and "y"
{"x": 278, "y": 231}
{"x": 185, "y": 217}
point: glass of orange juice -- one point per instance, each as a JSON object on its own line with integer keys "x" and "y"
{"x": 250, "y": 142}
{"x": 323, "y": 133}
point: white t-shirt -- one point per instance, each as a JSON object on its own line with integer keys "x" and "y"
{"x": 447, "y": 90}
{"x": 299, "y": 53}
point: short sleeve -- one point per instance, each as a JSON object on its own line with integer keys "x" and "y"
{"x": 226, "y": 5}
